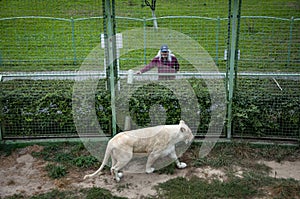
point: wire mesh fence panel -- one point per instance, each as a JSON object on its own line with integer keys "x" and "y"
{"x": 46, "y": 36}
{"x": 267, "y": 107}
{"x": 27, "y": 44}
{"x": 265, "y": 104}
{"x": 269, "y": 36}
{"x": 47, "y": 105}
{"x": 55, "y": 8}
{"x": 154, "y": 102}
{"x": 36, "y": 108}
{"x": 269, "y": 44}
{"x": 146, "y": 101}
{"x": 87, "y": 37}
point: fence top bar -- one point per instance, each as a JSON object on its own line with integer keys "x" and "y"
{"x": 87, "y": 18}
{"x": 178, "y": 74}
{"x": 269, "y": 17}
{"x": 187, "y": 17}
{"x": 268, "y": 74}
{"x": 53, "y": 74}
{"x": 125, "y": 73}
{"x": 35, "y": 17}
{"x": 130, "y": 18}
{"x": 144, "y": 19}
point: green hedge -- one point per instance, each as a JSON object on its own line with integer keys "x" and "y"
{"x": 32, "y": 107}
{"x": 44, "y": 107}
{"x": 262, "y": 109}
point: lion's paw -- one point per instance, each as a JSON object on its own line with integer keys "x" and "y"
{"x": 120, "y": 174}
{"x": 117, "y": 179}
{"x": 181, "y": 165}
{"x": 150, "y": 170}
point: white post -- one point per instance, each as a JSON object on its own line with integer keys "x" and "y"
{"x": 127, "y": 125}
{"x": 130, "y": 77}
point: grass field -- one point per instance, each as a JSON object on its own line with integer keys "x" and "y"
{"x": 41, "y": 44}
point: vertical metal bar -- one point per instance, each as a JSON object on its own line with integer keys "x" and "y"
{"x": 217, "y": 41}
{"x": 114, "y": 40}
{"x": 1, "y": 136}
{"x": 290, "y": 42}
{"x": 237, "y": 43}
{"x": 73, "y": 42}
{"x": 232, "y": 59}
{"x": 110, "y": 52}
{"x": 145, "y": 43}
{"x": 227, "y": 49}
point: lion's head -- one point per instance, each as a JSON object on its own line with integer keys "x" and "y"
{"x": 186, "y": 131}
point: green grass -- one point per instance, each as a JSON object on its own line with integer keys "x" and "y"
{"x": 251, "y": 185}
{"x": 68, "y": 154}
{"x": 243, "y": 154}
{"x": 254, "y": 183}
{"x": 56, "y": 171}
{"x": 45, "y": 44}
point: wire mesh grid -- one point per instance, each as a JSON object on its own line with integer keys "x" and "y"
{"x": 145, "y": 101}
{"x": 267, "y": 107}
{"x": 36, "y": 108}
{"x": 209, "y": 33}
{"x": 269, "y": 44}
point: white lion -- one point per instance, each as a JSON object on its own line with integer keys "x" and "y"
{"x": 156, "y": 142}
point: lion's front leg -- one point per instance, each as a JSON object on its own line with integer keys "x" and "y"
{"x": 151, "y": 159}
{"x": 180, "y": 165}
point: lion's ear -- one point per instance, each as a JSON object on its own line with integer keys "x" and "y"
{"x": 182, "y": 129}
{"x": 181, "y": 122}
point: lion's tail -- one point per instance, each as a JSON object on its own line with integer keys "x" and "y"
{"x": 104, "y": 162}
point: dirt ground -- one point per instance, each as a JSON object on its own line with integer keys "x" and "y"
{"x": 20, "y": 173}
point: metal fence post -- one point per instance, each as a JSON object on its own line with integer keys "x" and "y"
{"x": 232, "y": 61}
{"x": 110, "y": 53}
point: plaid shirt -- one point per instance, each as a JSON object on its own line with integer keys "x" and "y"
{"x": 163, "y": 66}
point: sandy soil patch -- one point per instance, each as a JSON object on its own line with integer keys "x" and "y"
{"x": 284, "y": 169}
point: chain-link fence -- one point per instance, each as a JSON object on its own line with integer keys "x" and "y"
{"x": 46, "y": 50}
{"x": 269, "y": 44}
{"x": 267, "y": 106}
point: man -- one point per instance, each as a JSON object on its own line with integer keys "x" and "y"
{"x": 165, "y": 62}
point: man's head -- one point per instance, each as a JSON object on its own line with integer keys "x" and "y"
{"x": 164, "y": 50}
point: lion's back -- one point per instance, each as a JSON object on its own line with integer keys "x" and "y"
{"x": 145, "y": 132}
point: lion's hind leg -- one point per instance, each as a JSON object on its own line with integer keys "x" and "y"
{"x": 116, "y": 170}
{"x": 121, "y": 159}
